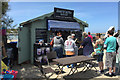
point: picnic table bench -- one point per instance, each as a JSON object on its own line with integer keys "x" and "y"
{"x": 73, "y": 60}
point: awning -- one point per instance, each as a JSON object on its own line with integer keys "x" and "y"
{"x": 62, "y": 25}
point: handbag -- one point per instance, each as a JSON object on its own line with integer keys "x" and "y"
{"x": 96, "y": 54}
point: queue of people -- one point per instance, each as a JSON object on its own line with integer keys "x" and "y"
{"x": 109, "y": 43}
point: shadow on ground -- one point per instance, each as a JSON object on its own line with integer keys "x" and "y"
{"x": 31, "y": 72}
{"x": 89, "y": 75}
{"x": 82, "y": 75}
{"x": 27, "y": 71}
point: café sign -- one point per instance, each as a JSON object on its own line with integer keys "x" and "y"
{"x": 63, "y": 13}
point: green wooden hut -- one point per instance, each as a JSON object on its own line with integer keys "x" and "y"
{"x": 31, "y": 30}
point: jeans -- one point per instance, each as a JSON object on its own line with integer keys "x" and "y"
{"x": 72, "y": 65}
{"x": 59, "y": 51}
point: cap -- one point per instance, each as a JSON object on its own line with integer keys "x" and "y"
{"x": 72, "y": 34}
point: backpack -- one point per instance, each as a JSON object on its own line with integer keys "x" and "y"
{"x": 52, "y": 42}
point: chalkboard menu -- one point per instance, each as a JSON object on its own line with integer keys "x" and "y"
{"x": 63, "y": 13}
{"x": 41, "y": 34}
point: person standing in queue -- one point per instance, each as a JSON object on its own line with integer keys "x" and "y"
{"x": 75, "y": 40}
{"x": 87, "y": 45}
{"x": 73, "y": 37}
{"x": 117, "y": 45}
{"x": 112, "y": 28}
{"x": 99, "y": 51}
{"x": 70, "y": 48}
{"x": 58, "y": 45}
{"x": 110, "y": 45}
{"x": 89, "y": 35}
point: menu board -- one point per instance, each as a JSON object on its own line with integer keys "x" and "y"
{"x": 63, "y": 13}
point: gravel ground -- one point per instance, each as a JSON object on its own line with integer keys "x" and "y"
{"x": 29, "y": 71}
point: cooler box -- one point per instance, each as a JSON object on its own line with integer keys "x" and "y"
{"x": 8, "y": 77}
{"x": 12, "y": 72}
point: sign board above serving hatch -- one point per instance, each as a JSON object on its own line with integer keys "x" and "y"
{"x": 63, "y": 13}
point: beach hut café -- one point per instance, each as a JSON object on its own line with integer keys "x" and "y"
{"x": 44, "y": 28}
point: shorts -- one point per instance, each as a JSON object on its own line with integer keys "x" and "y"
{"x": 100, "y": 57}
{"x": 110, "y": 59}
{"x": 70, "y": 53}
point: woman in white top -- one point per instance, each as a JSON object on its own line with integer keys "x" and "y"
{"x": 69, "y": 47}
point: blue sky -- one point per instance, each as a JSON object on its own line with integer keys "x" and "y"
{"x": 119, "y": 16}
{"x": 99, "y": 15}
